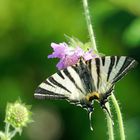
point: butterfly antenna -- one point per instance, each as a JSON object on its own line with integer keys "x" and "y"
{"x": 89, "y": 114}
{"x": 108, "y": 112}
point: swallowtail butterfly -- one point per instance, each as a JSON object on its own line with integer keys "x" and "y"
{"x": 86, "y": 81}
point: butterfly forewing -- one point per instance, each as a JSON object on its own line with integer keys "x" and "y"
{"x": 65, "y": 84}
{"x": 106, "y": 71}
{"x": 123, "y": 68}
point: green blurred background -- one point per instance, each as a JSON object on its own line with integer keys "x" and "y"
{"x": 27, "y": 28}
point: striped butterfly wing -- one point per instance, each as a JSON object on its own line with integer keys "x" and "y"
{"x": 65, "y": 84}
{"x": 75, "y": 82}
{"x": 106, "y": 71}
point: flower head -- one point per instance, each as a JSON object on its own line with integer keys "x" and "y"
{"x": 70, "y": 54}
{"x": 17, "y": 114}
{"x": 59, "y": 50}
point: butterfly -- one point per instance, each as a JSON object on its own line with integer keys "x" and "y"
{"x": 87, "y": 81}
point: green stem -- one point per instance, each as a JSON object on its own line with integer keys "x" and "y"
{"x": 89, "y": 25}
{"x": 7, "y": 126}
{"x": 119, "y": 115}
{"x": 109, "y": 123}
{"x": 13, "y": 133}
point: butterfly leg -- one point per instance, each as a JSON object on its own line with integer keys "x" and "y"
{"x": 103, "y": 102}
{"x": 90, "y": 109}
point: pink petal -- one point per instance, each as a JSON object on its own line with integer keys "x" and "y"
{"x": 60, "y": 64}
{"x": 59, "y": 50}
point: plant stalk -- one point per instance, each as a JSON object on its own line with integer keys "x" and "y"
{"x": 7, "y": 126}
{"x": 89, "y": 24}
{"x": 13, "y": 133}
{"x": 119, "y": 115}
{"x": 109, "y": 123}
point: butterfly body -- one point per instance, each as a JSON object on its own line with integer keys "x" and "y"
{"x": 86, "y": 81}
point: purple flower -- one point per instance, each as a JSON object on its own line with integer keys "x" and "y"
{"x": 59, "y": 50}
{"x": 67, "y": 61}
{"x": 69, "y": 55}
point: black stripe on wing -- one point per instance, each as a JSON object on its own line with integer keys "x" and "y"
{"x": 71, "y": 79}
{"x": 41, "y": 93}
{"x": 85, "y": 75}
{"x": 97, "y": 62}
{"x": 103, "y": 60}
{"x": 60, "y": 74}
{"x": 128, "y": 64}
{"x": 48, "y": 83}
{"x": 83, "y": 69}
{"x": 118, "y": 58}
{"x": 89, "y": 64}
{"x": 52, "y": 80}
{"x": 112, "y": 59}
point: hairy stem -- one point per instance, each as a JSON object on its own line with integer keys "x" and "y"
{"x": 7, "y": 126}
{"x": 89, "y": 25}
{"x": 13, "y": 133}
{"x": 109, "y": 123}
{"x": 119, "y": 115}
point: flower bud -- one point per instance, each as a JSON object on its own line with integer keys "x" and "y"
{"x": 17, "y": 114}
